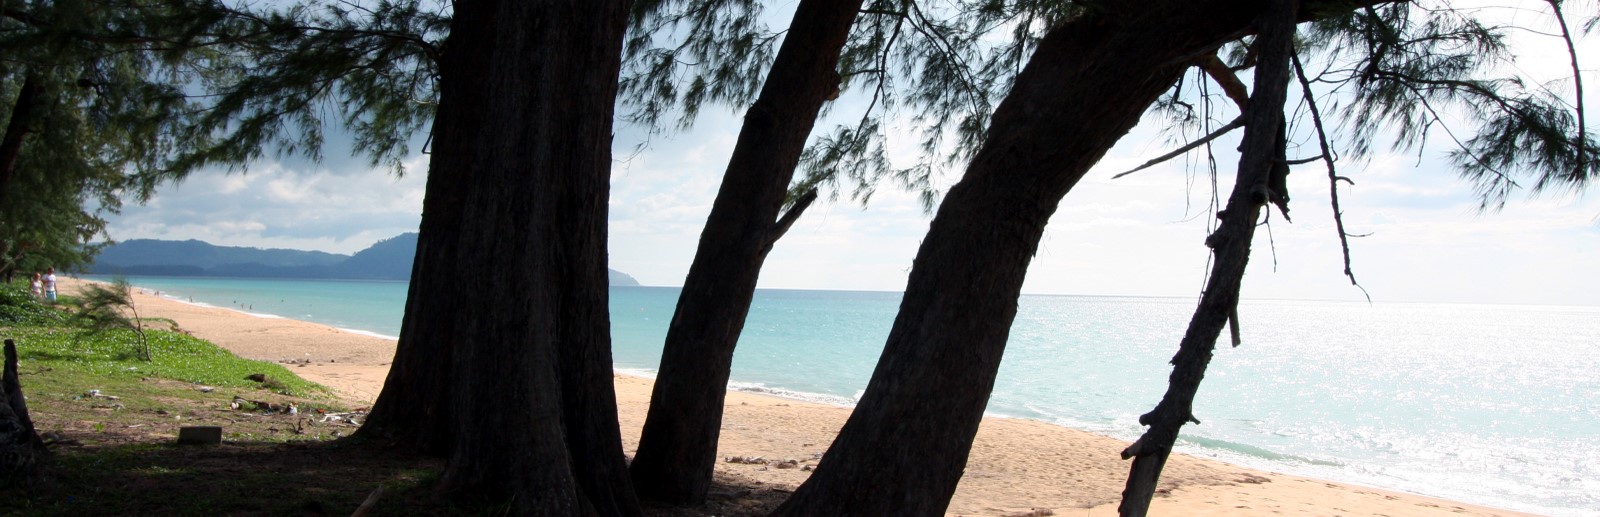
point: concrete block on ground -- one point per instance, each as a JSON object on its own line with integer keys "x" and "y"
{"x": 200, "y": 435}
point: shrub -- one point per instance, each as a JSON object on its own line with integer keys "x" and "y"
{"x": 18, "y": 308}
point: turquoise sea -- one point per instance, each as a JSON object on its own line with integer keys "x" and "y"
{"x": 1496, "y": 405}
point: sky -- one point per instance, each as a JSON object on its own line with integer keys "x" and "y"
{"x": 1426, "y": 240}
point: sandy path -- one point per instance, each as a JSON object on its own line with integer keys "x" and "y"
{"x": 1015, "y": 466}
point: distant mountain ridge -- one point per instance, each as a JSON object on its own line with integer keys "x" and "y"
{"x": 388, "y": 259}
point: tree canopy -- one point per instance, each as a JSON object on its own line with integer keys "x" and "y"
{"x": 108, "y": 100}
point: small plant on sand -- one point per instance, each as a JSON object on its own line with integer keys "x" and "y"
{"x": 106, "y": 307}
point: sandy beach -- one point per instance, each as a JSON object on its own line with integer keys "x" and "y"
{"x": 1016, "y": 466}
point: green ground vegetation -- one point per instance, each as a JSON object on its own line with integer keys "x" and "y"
{"x": 111, "y": 419}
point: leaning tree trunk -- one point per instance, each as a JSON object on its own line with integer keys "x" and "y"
{"x": 905, "y": 446}
{"x": 20, "y": 446}
{"x": 678, "y": 446}
{"x": 17, "y": 130}
{"x": 524, "y": 123}
{"x": 1261, "y": 168}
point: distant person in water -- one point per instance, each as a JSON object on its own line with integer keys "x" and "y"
{"x": 38, "y": 287}
{"x": 50, "y": 285}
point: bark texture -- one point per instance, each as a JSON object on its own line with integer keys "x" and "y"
{"x": 678, "y": 446}
{"x": 1261, "y": 168}
{"x": 905, "y": 446}
{"x": 523, "y": 133}
{"x": 412, "y": 411}
{"x": 20, "y": 445}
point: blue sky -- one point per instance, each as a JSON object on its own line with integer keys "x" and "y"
{"x": 1139, "y": 235}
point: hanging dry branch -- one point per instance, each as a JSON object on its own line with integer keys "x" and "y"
{"x": 1261, "y": 155}
{"x": 1333, "y": 175}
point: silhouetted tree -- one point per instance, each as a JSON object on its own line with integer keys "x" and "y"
{"x": 523, "y": 135}
{"x": 678, "y": 446}
{"x": 1086, "y": 83}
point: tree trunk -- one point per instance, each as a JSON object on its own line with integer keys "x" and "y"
{"x": 20, "y": 446}
{"x": 524, "y": 124}
{"x": 678, "y": 447}
{"x": 905, "y": 446}
{"x": 1261, "y": 160}
{"x": 412, "y": 411}
{"x": 16, "y": 131}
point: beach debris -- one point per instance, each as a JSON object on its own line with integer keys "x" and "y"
{"x": 91, "y": 394}
{"x": 96, "y": 394}
{"x": 786, "y": 463}
{"x": 1036, "y": 512}
{"x": 206, "y": 389}
{"x": 352, "y": 418}
{"x": 244, "y": 404}
{"x": 55, "y": 439}
{"x": 1251, "y": 479}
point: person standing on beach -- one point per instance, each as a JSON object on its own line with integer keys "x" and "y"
{"x": 50, "y": 284}
{"x": 37, "y": 287}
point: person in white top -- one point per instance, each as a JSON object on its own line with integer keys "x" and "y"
{"x": 37, "y": 287}
{"x": 50, "y": 285}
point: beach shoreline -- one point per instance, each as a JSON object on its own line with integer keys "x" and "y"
{"x": 1016, "y": 465}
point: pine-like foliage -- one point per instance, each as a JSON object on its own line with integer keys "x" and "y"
{"x": 1409, "y": 68}
{"x": 681, "y": 55}
{"x": 1420, "y": 76}
{"x": 110, "y": 307}
{"x": 129, "y": 94}
{"x": 281, "y": 76}
{"x": 1391, "y": 74}
{"x": 100, "y": 88}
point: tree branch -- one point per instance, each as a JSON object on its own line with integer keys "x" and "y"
{"x": 788, "y": 219}
{"x": 1235, "y": 124}
{"x": 1231, "y": 86}
{"x": 1333, "y": 176}
{"x": 1261, "y": 151}
{"x": 1577, "y": 84}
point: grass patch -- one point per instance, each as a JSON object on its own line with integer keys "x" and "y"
{"x": 112, "y": 356}
{"x": 112, "y": 420}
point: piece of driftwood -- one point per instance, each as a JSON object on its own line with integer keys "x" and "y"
{"x": 367, "y": 505}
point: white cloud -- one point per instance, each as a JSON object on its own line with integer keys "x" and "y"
{"x": 274, "y": 207}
